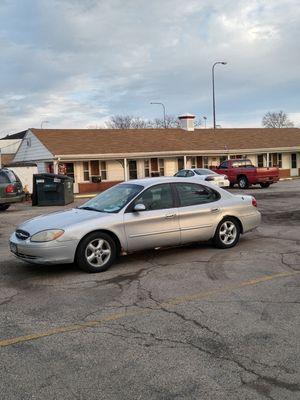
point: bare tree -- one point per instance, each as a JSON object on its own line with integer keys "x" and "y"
{"x": 120, "y": 122}
{"x": 276, "y": 120}
{"x": 127, "y": 122}
{"x": 170, "y": 122}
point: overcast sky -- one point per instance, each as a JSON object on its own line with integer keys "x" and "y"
{"x": 76, "y": 62}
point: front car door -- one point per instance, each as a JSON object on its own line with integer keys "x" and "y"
{"x": 158, "y": 225}
{"x": 199, "y": 211}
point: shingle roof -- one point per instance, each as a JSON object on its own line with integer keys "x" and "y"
{"x": 14, "y": 136}
{"x": 110, "y": 141}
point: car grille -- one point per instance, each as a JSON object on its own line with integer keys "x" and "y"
{"x": 22, "y": 235}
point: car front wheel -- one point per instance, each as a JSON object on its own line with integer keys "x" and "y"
{"x": 227, "y": 233}
{"x": 96, "y": 252}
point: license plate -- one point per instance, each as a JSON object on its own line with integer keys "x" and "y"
{"x": 13, "y": 248}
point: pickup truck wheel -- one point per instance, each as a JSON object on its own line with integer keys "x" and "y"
{"x": 265, "y": 185}
{"x": 227, "y": 233}
{"x": 243, "y": 182}
{"x": 4, "y": 207}
{"x": 96, "y": 252}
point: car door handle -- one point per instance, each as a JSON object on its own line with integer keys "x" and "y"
{"x": 215, "y": 210}
{"x": 169, "y": 216}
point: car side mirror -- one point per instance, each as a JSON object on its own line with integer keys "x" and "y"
{"x": 139, "y": 207}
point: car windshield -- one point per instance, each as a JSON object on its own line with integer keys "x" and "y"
{"x": 113, "y": 199}
{"x": 204, "y": 171}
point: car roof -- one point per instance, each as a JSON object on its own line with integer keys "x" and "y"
{"x": 146, "y": 182}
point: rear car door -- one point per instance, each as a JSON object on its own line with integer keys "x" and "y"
{"x": 199, "y": 211}
{"x": 158, "y": 225}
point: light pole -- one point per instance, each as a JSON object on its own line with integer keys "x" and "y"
{"x": 205, "y": 118}
{"x": 213, "y": 88}
{"x": 44, "y": 122}
{"x": 164, "y": 109}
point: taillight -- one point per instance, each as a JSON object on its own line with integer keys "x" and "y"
{"x": 9, "y": 189}
{"x": 209, "y": 178}
{"x": 254, "y": 202}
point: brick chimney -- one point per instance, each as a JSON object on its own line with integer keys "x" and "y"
{"x": 187, "y": 121}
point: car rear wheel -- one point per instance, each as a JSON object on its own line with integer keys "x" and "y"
{"x": 4, "y": 207}
{"x": 227, "y": 233}
{"x": 96, "y": 252}
{"x": 243, "y": 182}
{"x": 265, "y": 185}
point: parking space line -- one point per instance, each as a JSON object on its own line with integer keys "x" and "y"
{"x": 116, "y": 316}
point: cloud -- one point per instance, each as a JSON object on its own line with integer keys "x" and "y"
{"x": 75, "y": 62}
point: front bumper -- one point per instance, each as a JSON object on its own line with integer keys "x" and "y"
{"x": 55, "y": 252}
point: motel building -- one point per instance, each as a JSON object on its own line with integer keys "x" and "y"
{"x": 99, "y": 158}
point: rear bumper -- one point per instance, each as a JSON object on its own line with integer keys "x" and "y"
{"x": 251, "y": 221}
{"x": 10, "y": 200}
{"x": 54, "y": 252}
{"x": 270, "y": 179}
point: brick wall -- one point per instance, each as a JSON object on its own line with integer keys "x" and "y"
{"x": 90, "y": 187}
{"x": 284, "y": 173}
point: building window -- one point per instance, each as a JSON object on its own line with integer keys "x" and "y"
{"x": 180, "y": 163}
{"x": 205, "y": 162}
{"x": 237, "y": 156}
{"x": 161, "y": 164}
{"x": 223, "y": 158}
{"x": 199, "y": 162}
{"x": 294, "y": 160}
{"x": 95, "y": 168}
{"x": 70, "y": 170}
{"x": 103, "y": 170}
{"x": 147, "y": 168}
{"x": 261, "y": 160}
{"x": 86, "y": 171}
{"x": 132, "y": 169}
{"x": 275, "y": 160}
{"x": 193, "y": 162}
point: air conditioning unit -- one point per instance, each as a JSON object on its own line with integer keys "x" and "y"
{"x": 96, "y": 179}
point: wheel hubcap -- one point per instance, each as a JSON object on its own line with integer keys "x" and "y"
{"x": 98, "y": 252}
{"x": 242, "y": 183}
{"x": 228, "y": 232}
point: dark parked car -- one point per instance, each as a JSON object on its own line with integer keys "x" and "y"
{"x": 11, "y": 189}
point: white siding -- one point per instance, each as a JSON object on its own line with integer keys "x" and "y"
{"x": 25, "y": 174}
{"x": 170, "y": 166}
{"x": 31, "y": 149}
{"x": 115, "y": 171}
{"x": 9, "y": 146}
{"x": 286, "y": 160}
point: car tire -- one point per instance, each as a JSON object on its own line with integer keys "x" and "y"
{"x": 265, "y": 185}
{"x": 96, "y": 252}
{"x": 227, "y": 233}
{"x": 4, "y": 207}
{"x": 231, "y": 185}
{"x": 243, "y": 182}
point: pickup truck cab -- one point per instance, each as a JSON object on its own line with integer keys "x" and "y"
{"x": 245, "y": 174}
{"x": 11, "y": 189}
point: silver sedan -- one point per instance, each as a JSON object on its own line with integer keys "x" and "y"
{"x": 136, "y": 215}
{"x": 204, "y": 174}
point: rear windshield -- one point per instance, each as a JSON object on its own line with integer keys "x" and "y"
{"x": 204, "y": 171}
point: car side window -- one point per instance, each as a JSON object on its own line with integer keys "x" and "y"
{"x": 157, "y": 197}
{"x": 189, "y": 173}
{"x": 191, "y": 194}
{"x": 224, "y": 165}
{"x": 4, "y": 178}
{"x": 181, "y": 173}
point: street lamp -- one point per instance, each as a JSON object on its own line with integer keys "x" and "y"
{"x": 44, "y": 122}
{"x": 164, "y": 109}
{"x": 205, "y": 118}
{"x": 213, "y": 88}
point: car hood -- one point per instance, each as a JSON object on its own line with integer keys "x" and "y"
{"x": 60, "y": 220}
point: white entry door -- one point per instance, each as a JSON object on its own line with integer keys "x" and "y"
{"x": 294, "y": 165}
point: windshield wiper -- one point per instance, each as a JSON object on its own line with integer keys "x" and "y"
{"x": 88, "y": 208}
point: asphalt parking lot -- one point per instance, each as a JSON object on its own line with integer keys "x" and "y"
{"x": 186, "y": 323}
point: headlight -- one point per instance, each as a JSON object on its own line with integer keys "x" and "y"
{"x": 47, "y": 236}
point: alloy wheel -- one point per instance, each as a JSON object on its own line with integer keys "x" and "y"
{"x": 227, "y": 232}
{"x": 98, "y": 252}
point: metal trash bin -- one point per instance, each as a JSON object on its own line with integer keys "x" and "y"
{"x": 52, "y": 190}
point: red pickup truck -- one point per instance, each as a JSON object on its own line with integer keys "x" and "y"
{"x": 244, "y": 173}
